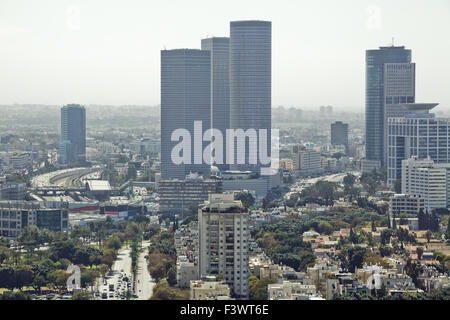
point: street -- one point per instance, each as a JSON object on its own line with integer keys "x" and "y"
{"x": 122, "y": 265}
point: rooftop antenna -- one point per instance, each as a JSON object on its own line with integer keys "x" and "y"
{"x": 392, "y": 41}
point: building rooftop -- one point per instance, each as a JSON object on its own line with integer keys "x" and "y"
{"x": 99, "y": 185}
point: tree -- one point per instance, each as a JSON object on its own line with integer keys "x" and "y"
{"x": 22, "y": 277}
{"x": 419, "y": 251}
{"x": 246, "y": 197}
{"x": 82, "y": 296}
{"x": 258, "y": 288}
{"x": 374, "y": 229}
{"x": 352, "y": 257}
{"x": 4, "y": 254}
{"x": 447, "y": 233}
{"x": 58, "y": 278}
{"x": 172, "y": 276}
{"x": 428, "y": 235}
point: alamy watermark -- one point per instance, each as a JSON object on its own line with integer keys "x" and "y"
{"x": 74, "y": 280}
{"x": 235, "y": 147}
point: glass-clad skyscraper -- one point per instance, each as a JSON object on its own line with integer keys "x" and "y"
{"x": 185, "y": 98}
{"x": 220, "y": 86}
{"x": 250, "y": 80}
{"x": 73, "y": 134}
{"x": 385, "y": 65}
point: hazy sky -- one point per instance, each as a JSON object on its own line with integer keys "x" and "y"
{"x": 108, "y": 52}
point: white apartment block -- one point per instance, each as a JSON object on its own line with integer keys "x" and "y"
{"x": 208, "y": 289}
{"x": 419, "y": 133}
{"x": 223, "y": 242}
{"x": 427, "y": 179}
{"x": 289, "y": 290}
{"x": 306, "y": 161}
{"x": 406, "y": 203}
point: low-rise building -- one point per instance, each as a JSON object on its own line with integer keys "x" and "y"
{"x": 209, "y": 289}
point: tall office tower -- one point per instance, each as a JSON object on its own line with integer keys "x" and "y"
{"x": 73, "y": 134}
{"x": 399, "y": 88}
{"x": 428, "y": 180}
{"x": 418, "y": 133}
{"x": 251, "y": 82}
{"x": 223, "y": 241}
{"x": 185, "y": 98}
{"x": 383, "y": 83}
{"x": 220, "y": 87}
{"x": 339, "y": 134}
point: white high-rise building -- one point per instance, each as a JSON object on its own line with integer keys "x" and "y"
{"x": 418, "y": 133}
{"x": 306, "y": 161}
{"x": 223, "y": 242}
{"x": 428, "y": 180}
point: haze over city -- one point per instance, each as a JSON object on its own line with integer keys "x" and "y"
{"x": 108, "y": 52}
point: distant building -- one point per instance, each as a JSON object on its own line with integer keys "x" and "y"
{"x": 223, "y": 242}
{"x": 291, "y": 290}
{"x": 339, "y": 134}
{"x": 419, "y": 134}
{"x": 73, "y": 134}
{"x": 16, "y": 215}
{"x": 234, "y": 180}
{"x": 186, "y": 272}
{"x": 99, "y": 189}
{"x": 177, "y": 195}
{"x": 306, "y": 161}
{"x": 370, "y": 165}
{"x": 13, "y": 191}
{"x": 406, "y": 203}
{"x": 429, "y": 180}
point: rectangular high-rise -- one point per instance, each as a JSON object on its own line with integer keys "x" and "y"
{"x": 220, "y": 87}
{"x": 72, "y": 149}
{"x": 389, "y": 81}
{"x": 339, "y": 134}
{"x": 419, "y": 133}
{"x": 427, "y": 179}
{"x": 185, "y": 98}
{"x": 251, "y": 82}
{"x": 223, "y": 241}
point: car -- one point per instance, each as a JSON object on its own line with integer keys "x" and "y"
{"x": 111, "y": 295}
{"x": 104, "y": 295}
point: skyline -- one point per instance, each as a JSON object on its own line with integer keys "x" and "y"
{"x": 106, "y": 61}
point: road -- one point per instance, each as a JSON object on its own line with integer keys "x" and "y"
{"x": 144, "y": 282}
{"x": 123, "y": 262}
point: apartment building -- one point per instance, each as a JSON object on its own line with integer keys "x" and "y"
{"x": 306, "y": 161}
{"x": 177, "y": 195}
{"x": 223, "y": 242}
{"x": 406, "y": 203}
{"x": 427, "y": 179}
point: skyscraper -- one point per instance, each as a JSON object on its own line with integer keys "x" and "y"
{"x": 339, "y": 134}
{"x": 250, "y": 80}
{"x": 223, "y": 241}
{"x": 384, "y": 87}
{"x": 185, "y": 98}
{"x": 73, "y": 134}
{"x": 220, "y": 86}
